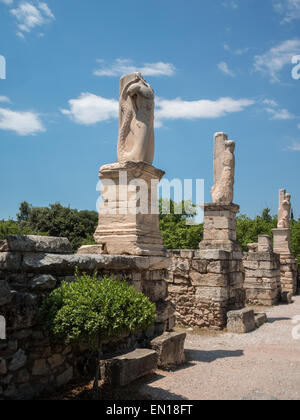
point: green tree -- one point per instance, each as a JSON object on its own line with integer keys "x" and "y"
{"x": 176, "y": 225}
{"x": 57, "y": 220}
{"x": 295, "y": 239}
{"x": 91, "y": 312}
{"x": 248, "y": 229}
{"x": 11, "y": 227}
{"x": 25, "y": 210}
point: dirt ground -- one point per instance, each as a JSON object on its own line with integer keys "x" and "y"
{"x": 263, "y": 365}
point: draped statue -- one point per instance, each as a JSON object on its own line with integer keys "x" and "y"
{"x": 284, "y": 210}
{"x": 136, "y": 120}
{"x": 224, "y": 168}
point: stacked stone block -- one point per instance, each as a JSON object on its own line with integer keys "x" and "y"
{"x": 288, "y": 274}
{"x": 204, "y": 285}
{"x": 288, "y": 263}
{"x": 30, "y": 267}
{"x": 262, "y": 274}
{"x": 220, "y": 227}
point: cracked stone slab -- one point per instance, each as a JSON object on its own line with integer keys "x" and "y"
{"x": 34, "y": 243}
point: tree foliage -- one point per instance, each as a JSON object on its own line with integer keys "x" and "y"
{"x": 55, "y": 220}
{"x": 92, "y": 311}
{"x": 295, "y": 238}
{"x": 177, "y": 226}
{"x": 248, "y": 229}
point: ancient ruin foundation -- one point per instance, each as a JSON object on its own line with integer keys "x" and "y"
{"x": 282, "y": 246}
{"x": 262, "y": 273}
{"x": 204, "y": 285}
{"x": 30, "y": 268}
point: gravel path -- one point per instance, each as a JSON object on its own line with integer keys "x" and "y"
{"x": 264, "y": 364}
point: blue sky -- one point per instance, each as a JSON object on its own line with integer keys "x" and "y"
{"x": 215, "y": 65}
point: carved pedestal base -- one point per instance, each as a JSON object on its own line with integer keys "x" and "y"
{"x": 220, "y": 227}
{"x": 128, "y": 216}
{"x": 288, "y": 263}
{"x": 282, "y": 241}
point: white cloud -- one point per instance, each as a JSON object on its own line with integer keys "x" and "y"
{"x": 233, "y": 4}
{"x": 191, "y": 110}
{"x": 270, "y": 102}
{"x": 290, "y": 9}
{"x": 121, "y": 67}
{"x": 225, "y": 69}
{"x": 22, "y": 123}
{"x": 273, "y": 61}
{"x": 280, "y": 114}
{"x": 46, "y": 10}
{"x": 295, "y": 147}
{"x": 30, "y": 15}
{"x": 238, "y": 51}
{"x": 90, "y": 109}
{"x": 20, "y": 35}
{"x": 7, "y": 2}
{"x": 298, "y": 126}
{"x": 277, "y": 113}
{"x": 4, "y": 99}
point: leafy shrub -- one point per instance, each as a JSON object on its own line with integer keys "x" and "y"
{"x": 90, "y": 311}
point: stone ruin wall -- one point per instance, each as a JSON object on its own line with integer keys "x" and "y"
{"x": 262, "y": 278}
{"x": 204, "y": 285}
{"x": 270, "y": 275}
{"x": 30, "y": 363}
{"x": 289, "y": 273}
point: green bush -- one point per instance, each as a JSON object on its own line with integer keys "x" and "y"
{"x": 91, "y": 311}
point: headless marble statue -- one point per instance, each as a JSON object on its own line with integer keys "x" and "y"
{"x": 136, "y": 120}
{"x": 224, "y": 167}
{"x": 284, "y": 210}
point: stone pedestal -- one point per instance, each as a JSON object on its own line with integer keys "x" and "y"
{"x": 220, "y": 227}
{"x": 128, "y": 215}
{"x": 205, "y": 285}
{"x": 288, "y": 263}
{"x": 282, "y": 241}
{"x": 262, "y": 273}
{"x": 225, "y": 276}
{"x": 264, "y": 243}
